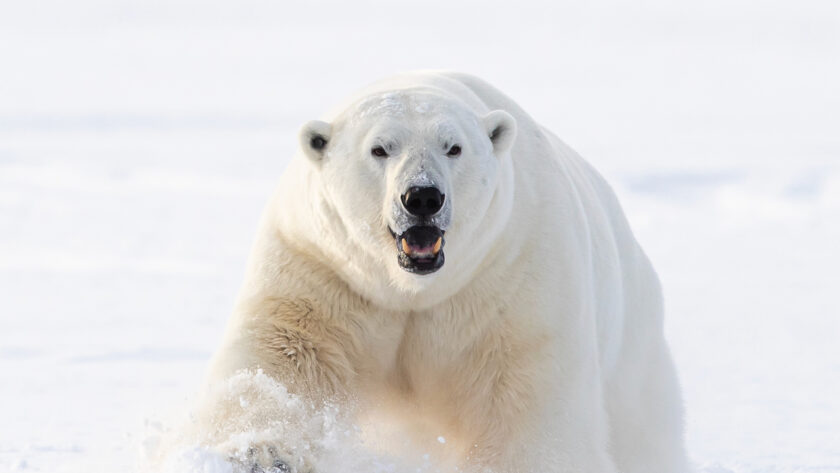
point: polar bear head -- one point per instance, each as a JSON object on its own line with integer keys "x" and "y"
{"x": 409, "y": 189}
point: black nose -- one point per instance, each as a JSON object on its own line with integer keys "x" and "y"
{"x": 423, "y": 201}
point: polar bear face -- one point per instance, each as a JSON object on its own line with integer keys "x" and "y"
{"x": 406, "y": 179}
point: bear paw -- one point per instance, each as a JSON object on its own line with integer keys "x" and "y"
{"x": 264, "y": 459}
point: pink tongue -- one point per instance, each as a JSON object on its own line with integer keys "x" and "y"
{"x": 424, "y": 249}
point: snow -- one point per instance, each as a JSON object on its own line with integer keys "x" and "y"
{"x": 140, "y": 140}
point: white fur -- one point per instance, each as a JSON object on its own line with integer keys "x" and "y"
{"x": 537, "y": 347}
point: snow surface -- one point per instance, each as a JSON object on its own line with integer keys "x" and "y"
{"x": 139, "y": 141}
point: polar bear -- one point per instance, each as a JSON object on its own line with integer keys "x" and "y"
{"x": 448, "y": 274}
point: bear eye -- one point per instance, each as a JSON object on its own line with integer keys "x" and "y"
{"x": 379, "y": 152}
{"x": 318, "y": 142}
{"x": 454, "y": 151}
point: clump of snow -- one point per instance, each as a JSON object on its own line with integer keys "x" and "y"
{"x": 392, "y": 104}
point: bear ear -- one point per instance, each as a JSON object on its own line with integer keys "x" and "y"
{"x": 501, "y": 128}
{"x": 314, "y": 137}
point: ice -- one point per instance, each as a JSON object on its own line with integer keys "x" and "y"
{"x": 139, "y": 142}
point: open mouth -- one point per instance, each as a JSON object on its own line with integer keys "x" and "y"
{"x": 420, "y": 249}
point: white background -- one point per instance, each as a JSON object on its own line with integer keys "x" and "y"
{"x": 139, "y": 141}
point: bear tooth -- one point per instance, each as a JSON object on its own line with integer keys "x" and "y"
{"x": 436, "y": 249}
{"x": 405, "y": 247}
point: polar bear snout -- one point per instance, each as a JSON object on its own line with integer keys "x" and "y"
{"x": 423, "y": 201}
{"x": 421, "y": 216}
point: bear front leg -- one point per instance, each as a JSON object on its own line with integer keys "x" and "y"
{"x": 562, "y": 433}
{"x": 536, "y": 405}
{"x": 274, "y": 388}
